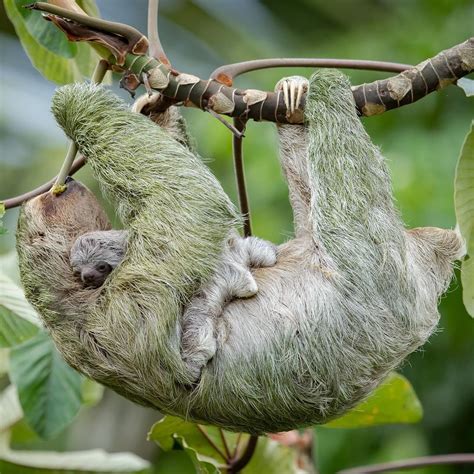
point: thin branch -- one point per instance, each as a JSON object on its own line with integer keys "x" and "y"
{"x": 370, "y": 99}
{"x": 446, "y": 459}
{"x": 237, "y": 145}
{"x": 59, "y": 187}
{"x": 237, "y": 443}
{"x": 211, "y": 442}
{"x": 237, "y": 133}
{"x": 21, "y": 198}
{"x": 156, "y": 49}
{"x": 237, "y": 465}
{"x": 227, "y": 73}
{"x": 224, "y": 442}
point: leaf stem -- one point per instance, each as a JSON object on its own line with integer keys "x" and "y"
{"x": 211, "y": 442}
{"x": 224, "y": 442}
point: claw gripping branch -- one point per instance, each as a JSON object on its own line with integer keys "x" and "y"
{"x": 128, "y": 47}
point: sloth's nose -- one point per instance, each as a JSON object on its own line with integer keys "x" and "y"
{"x": 90, "y": 277}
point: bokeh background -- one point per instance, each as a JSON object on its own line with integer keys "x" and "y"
{"x": 421, "y": 143}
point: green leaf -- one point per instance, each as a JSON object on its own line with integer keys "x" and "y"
{"x": 79, "y": 462}
{"x": 49, "y": 390}
{"x": 10, "y": 409}
{"x": 174, "y": 461}
{"x": 170, "y": 430}
{"x": 272, "y": 457}
{"x": 53, "y": 60}
{"x": 9, "y": 266}
{"x": 18, "y": 320}
{"x": 45, "y": 32}
{"x": 14, "y": 330}
{"x": 394, "y": 401}
{"x": 464, "y": 205}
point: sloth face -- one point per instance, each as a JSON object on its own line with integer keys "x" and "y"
{"x": 94, "y": 275}
{"x": 94, "y": 255}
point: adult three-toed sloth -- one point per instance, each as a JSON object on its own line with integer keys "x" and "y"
{"x": 349, "y": 297}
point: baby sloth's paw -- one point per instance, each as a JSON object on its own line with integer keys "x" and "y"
{"x": 293, "y": 88}
{"x": 261, "y": 253}
{"x": 240, "y": 281}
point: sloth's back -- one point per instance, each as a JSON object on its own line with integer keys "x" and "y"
{"x": 301, "y": 352}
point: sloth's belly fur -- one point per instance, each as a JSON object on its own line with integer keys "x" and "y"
{"x": 300, "y": 351}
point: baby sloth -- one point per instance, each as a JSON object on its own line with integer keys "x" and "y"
{"x": 94, "y": 255}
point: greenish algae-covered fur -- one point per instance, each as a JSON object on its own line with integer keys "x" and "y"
{"x": 350, "y": 297}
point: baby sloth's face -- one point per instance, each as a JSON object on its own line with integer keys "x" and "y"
{"x": 93, "y": 275}
{"x": 94, "y": 256}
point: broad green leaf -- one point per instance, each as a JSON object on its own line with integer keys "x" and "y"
{"x": 272, "y": 457}
{"x": 13, "y": 329}
{"x": 467, "y": 85}
{"x": 170, "y": 430}
{"x": 464, "y": 205}
{"x": 394, "y": 401}
{"x": 10, "y": 409}
{"x": 44, "y": 32}
{"x": 80, "y": 462}
{"x": 54, "y": 66}
{"x": 49, "y": 390}
{"x": 13, "y": 298}
{"x": 174, "y": 461}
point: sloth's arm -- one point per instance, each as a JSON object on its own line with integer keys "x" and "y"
{"x": 339, "y": 185}
{"x": 175, "y": 210}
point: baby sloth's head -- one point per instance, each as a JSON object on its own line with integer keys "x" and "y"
{"x": 95, "y": 254}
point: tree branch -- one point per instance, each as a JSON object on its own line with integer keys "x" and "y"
{"x": 128, "y": 47}
{"x": 370, "y": 99}
{"x": 467, "y": 459}
{"x": 226, "y": 74}
{"x": 237, "y": 465}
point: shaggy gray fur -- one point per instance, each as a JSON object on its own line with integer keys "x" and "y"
{"x": 95, "y": 254}
{"x": 350, "y": 297}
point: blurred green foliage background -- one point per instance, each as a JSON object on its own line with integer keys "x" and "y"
{"x": 421, "y": 143}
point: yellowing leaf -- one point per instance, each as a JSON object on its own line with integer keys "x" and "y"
{"x": 393, "y": 402}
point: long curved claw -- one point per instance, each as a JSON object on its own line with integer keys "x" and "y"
{"x": 301, "y": 89}
{"x": 293, "y": 88}
{"x": 292, "y": 96}
{"x": 284, "y": 86}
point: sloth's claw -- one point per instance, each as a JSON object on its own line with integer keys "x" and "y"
{"x": 293, "y": 88}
